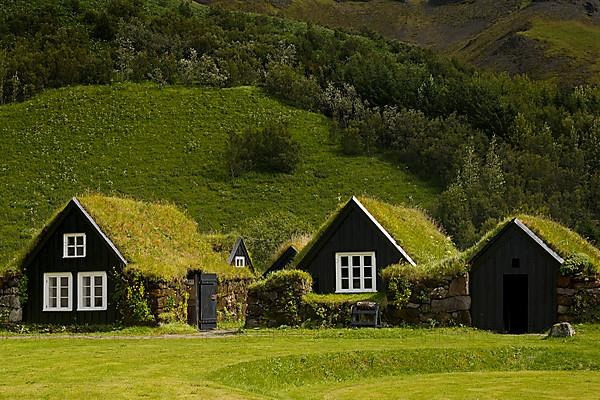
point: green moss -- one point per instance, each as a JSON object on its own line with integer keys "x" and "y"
{"x": 413, "y": 230}
{"x": 338, "y": 299}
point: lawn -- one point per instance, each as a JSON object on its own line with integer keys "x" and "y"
{"x": 314, "y": 364}
{"x": 171, "y": 144}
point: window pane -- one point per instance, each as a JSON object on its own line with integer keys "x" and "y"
{"x": 86, "y": 281}
{"x": 367, "y": 261}
{"x": 52, "y": 291}
{"x": 64, "y": 302}
{"x": 344, "y": 261}
{"x": 52, "y": 302}
{"x": 70, "y": 240}
{"x": 52, "y": 282}
{"x": 368, "y": 284}
{"x": 79, "y": 251}
{"x": 97, "y": 281}
{"x": 367, "y": 272}
{"x": 70, "y": 251}
{"x": 64, "y": 281}
{"x": 64, "y": 292}
{"x": 355, "y": 260}
{"x": 80, "y": 240}
{"x": 87, "y": 291}
{"x": 345, "y": 283}
{"x": 98, "y": 302}
{"x": 344, "y": 272}
{"x": 98, "y": 291}
{"x": 356, "y": 283}
{"x": 87, "y": 301}
{"x": 356, "y": 272}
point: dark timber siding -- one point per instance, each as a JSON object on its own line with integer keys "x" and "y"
{"x": 49, "y": 258}
{"x": 487, "y": 277}
{"x": 355, "y": 232}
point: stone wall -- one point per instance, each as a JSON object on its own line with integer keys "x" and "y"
{"x": 443, "y": 302}
{"x": 578, "y": 299}
{"x": 10, "y": 302}
{"x": 168, "y": 300}
{"x": 232, "y": 298}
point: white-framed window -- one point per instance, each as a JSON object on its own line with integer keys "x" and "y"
{"x": 240, "y": 261}
{"x": 355, "y": 272}
{"x": 92, "y": 291}
{"x": 74, "y": 245}
{"x": 58, "y": 289}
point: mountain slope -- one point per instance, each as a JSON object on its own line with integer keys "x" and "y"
{"x": 170, "y": 144}
{"x": 504, "y": 36}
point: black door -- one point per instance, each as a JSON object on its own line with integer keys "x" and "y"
{"x": 516, "y": 303}
{"x": 207, "y": 287}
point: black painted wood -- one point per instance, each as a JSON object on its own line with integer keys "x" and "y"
{"x": 283, "y": 261}
{"x": 351, "y": 231}
{"x": 208, "y": 302}
{"x": 500, "y": 259}
{"x": 48, "y": 257}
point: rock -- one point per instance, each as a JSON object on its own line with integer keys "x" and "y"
{"x": 438, "y": 293}
{"x": 16, "y": 315}
{"x": 563, "y": 281}
{"x": 459, "y": 286}
{"x": 561, "y": 330}
{"x": 565, "y": 291}
{"x": 563, "y": 309}
{"x": 464, "y": 317}
{"x": 564, "y": 300}
{"x": 451, "y": 304}
{"x": 412, "y": 305}
{"x": 565, "y": 318}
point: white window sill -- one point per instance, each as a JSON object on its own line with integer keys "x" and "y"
{"x": 57, "y": 309}
{"x": 354, "y": 291}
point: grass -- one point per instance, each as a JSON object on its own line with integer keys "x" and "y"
{"x": 450, "y": 363}
{"x": 578, "y": 40}
{"x": 413, "y": 230}
{"x": 106, "y": 140}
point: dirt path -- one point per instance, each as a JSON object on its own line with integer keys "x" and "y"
{"x": 200, "y": 335}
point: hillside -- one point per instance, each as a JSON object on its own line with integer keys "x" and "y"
{"x": 546, "y": 39}
{"x": 170, "y": 144}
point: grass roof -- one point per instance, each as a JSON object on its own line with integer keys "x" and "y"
{"x": 297, "y": 241}
{"x": 423, "y": 240}
{"x": 157, "y": 240}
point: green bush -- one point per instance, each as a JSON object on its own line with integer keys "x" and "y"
{"x": 280, "y": 296}
{"x": 131, "y": 298}
{"x": 268, "y": 149}
{"x": 578, "y": 264}
{"x": 292, "y": 86}
{"x": 397, "y": 283}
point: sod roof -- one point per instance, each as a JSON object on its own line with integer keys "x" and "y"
{"x": 412, "y": 229}
{"x": 157, "y": 240}
{"x": 560, "y": 239}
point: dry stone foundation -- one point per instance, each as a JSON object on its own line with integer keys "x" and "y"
{"x": 10, "y": 301}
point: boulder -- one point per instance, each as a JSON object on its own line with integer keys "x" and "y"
{"x": 565, "y": 291}
{"x": 439, "y": 293}
{"x": 563, "y": 309}
{"x": 459, "y": 286}
{"x": 451, "y": 304}
{"x": 561, "y": 330}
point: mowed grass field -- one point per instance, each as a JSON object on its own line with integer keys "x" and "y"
{"x": 170, "y": 145}
{"x": 399, "y": 363}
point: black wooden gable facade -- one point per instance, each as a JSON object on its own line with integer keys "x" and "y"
{"x": 239, "y": 256}
{"x": 70, "y": 271}
{"x": 513, "y": 282}
{"x": 282, "y": 261}
{"x": 351, "y": 252}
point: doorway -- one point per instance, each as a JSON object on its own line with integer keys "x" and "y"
{"x": 516, "y": 303}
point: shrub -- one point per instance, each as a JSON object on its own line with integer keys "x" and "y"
{"x": 279, "y": 296}
{"x": 292, "y": 86}
{"x": 269, "y": 149}
{"x": 333, "y": 310}
{"x": 397, "y": 284}
{"x": 131, "y": 299}
{"x": 578, "y": 264}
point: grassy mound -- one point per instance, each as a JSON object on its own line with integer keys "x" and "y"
{"x": 171, "y": 144}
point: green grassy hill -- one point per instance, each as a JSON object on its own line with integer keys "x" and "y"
{"x": 546, "y": 39}
{"x": 170, "y": 144}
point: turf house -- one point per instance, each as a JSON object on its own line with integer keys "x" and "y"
{"x": 524, "y": 276}
{"x": 102, "y": 260}
{"x": 364, "y": 236}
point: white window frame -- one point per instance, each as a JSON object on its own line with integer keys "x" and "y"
{"x": 58, "y": 275}
{"x": 338, "y": 272}
{"x": 92, "y": 275}
{"x": 240, "y": 261}
{"x": 66, "y": 237}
